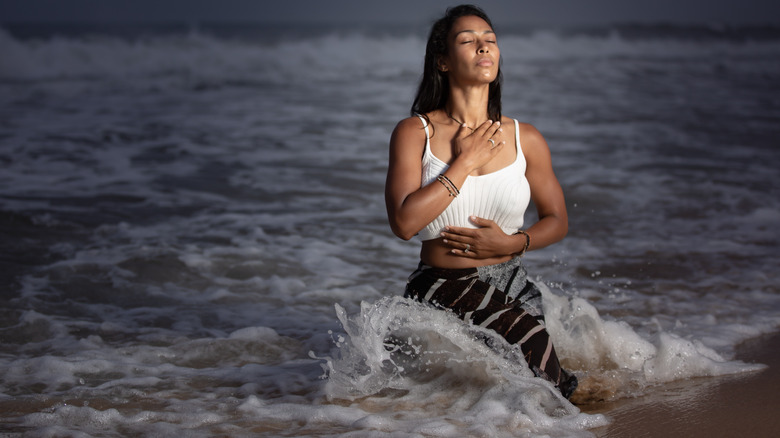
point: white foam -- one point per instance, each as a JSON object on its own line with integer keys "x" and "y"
{"x": 195, "y": 206}
{"x": 400, "y": 345}
{"x": 401, "y": 352}
{"x": 598, "y": 347}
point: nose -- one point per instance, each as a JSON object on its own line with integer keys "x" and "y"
{"x": 483, "y": 49}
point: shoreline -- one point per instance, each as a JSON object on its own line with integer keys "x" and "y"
{"x": 723, "y": 406}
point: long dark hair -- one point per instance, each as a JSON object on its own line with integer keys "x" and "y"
{"x": 434, "y": 90}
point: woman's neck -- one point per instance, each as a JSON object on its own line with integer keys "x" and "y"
{"x": 468, "y": 105}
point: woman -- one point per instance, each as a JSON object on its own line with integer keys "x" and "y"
{"x": 460, "y": 180}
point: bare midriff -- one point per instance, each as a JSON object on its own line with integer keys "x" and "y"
{"x": 437, "y": 254}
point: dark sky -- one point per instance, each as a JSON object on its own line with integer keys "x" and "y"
{"x": 550, "y": 12}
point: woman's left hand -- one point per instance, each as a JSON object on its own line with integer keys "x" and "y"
{"x": 487, "y": 241}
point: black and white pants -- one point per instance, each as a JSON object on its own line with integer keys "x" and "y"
{"x": 499, "y": 297}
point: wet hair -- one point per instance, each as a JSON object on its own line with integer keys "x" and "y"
{"x": 434, "y": 92}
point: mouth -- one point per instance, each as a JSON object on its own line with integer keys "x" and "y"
{"x": 484, "y": 62}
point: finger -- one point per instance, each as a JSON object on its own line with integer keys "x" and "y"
{"x": 480, "y": 222}
{"x": 484, "y": 128}
{"x": 489, "y": 128}
{"x": 460, "y": 248}
{"x": 464, "y": 131}
{"x": 457, "y": 233}
{"x": 495, "y": 128}
{"x": 459, "y": 241}
{"x": 464, "y": 252}
{"x": 458, "y": 245}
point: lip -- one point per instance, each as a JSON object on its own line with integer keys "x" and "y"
{"x": 485, "y": 62}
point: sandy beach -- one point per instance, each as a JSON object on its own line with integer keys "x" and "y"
{"x": 746, "y": 405}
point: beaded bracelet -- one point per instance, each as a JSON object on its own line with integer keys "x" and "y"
{"x": 454, "y": 187}
{"x": 527, "y": 243}
{"x": 451, "y": 188}
{"x": 441, "y": 180}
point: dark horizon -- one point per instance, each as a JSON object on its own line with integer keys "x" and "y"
{"x": 280, "y": 31}
{"x": 401, "y": 12}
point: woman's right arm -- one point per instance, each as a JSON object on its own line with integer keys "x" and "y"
{"x": 411, "y": 207}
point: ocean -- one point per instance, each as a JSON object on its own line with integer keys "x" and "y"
{"x": 194, "y": 238}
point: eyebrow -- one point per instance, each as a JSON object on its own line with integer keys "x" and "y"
{"x": 485, "y": 32}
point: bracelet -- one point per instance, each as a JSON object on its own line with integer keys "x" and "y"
{"x": 454, "y": 187}
{"x": 451, "y": 188}
{"x": 527, "y": 243}
{"x": 441, "y": 180}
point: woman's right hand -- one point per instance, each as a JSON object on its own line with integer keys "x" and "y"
{"x": 476, "y": 148}
{"x": 410, "y": 206}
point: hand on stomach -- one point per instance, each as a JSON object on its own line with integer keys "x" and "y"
{"x": 455, "y": 255}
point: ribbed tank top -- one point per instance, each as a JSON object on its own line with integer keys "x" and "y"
{"x": 501, "y": 196}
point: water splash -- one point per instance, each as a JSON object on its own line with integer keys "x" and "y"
{"x": 427, "y": 370}
{"x": 406, "y": 350}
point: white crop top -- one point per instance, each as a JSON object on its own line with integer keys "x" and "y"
{"x": 501, "y": 196}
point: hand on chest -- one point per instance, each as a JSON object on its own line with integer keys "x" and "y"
{"x": 446, "y": 147}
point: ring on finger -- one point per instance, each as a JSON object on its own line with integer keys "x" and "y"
{"x": 493, "y": 142}
{"x": 468, "y": 247}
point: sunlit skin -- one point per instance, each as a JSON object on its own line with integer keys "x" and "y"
{"x": 471, "y": 64}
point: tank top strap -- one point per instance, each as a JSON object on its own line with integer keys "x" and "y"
{"x": 425, "y": 126}
{"x": 518, "y": 147}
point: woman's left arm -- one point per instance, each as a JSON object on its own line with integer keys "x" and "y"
{"x": 546, "y": 192}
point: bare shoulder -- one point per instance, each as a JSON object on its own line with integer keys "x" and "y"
{"x": 410, "y": 125}
{"x": 531, "y": 139}
{"x": 525, "y": 129}
{"x": 408, "y": 133}
{"x": 529, "y": 133}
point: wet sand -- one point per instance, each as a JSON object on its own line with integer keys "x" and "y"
{"x": 745, "y": 405}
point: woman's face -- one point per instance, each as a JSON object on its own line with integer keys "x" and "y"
{"x": 473, "y": 52}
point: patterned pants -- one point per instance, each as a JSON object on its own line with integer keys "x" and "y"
{"x": 501, "y": 298}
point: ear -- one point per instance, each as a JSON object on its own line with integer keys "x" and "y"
{"x": 441, "y": 65}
